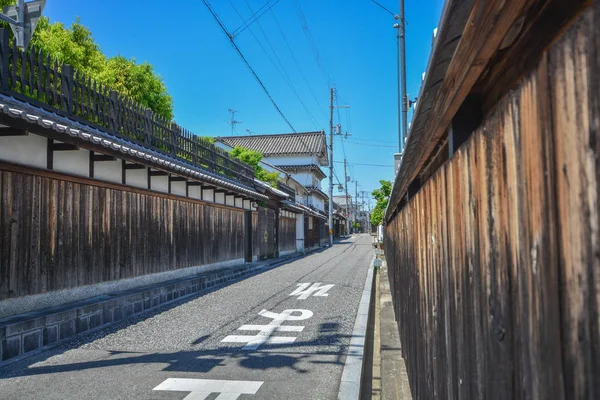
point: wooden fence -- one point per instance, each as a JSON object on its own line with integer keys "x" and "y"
{"x": 59, "y": 232}
{"x": 36, "y": 78}
{"x": 494, "y": 263}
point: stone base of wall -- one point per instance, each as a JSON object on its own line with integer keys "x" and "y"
{"x": 26, "y": 333}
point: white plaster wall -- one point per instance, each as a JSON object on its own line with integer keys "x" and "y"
{"x": 108, "y": 171}
{"x": 247, "y": 204}
{"x": 299, "y": 231}
{"x": 207, "y": 194}
{"x": 73, "y": 162}
{"x": 178, "y": 188}
{"x": 27, "y": 150}
{"x": 292, "y": 160}
{"x": 230, "y": 200}
{"x": 160, "y": 184}
{"x": 194, "y": 192}
{"x": 220, "y": 198}
{"x": 137, "y": 178}
{"x": 305, "y": 178}
{"x": 239, "y": 202}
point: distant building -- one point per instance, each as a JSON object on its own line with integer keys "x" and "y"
{"x": 300, "y": 156}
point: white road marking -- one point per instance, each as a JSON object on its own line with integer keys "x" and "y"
{"x": 265, "y": 331}
{"x": 303, "y": 291}
{"x": 202, "y": 388}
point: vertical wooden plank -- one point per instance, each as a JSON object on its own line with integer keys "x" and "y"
{"x": 576, "y": 152}
{"x": 5, "y": 260}
{"x": 538, "y": 269}
{"x": 34, "y": 238}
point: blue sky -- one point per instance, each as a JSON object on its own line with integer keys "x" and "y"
{"x": 355, "y": 40}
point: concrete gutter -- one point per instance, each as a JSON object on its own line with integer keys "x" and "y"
{"x": 350, "y": 384}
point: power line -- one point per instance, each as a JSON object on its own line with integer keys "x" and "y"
{"x": 298, "y": 64}
{"x": 373, "y": 145}
{"x": 368, "y": 165}
{"x": 250, "y": 20}
{"x": 288, "y": 81}
{"x": 280, "y": 69}
{"x": 373, "y": 1}
{"x": 312, "y": 43}
{"x": 373, "y": 141}
{"x": 215, "y": 16}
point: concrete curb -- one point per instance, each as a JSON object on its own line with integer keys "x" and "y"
{"x": 350, "y": 384}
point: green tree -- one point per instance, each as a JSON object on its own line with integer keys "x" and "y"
{"x": 76, "y": 46}
{"x": 138, "y": 82}
{"x": 382, "y": 196}
{"x": 253, "y": 158}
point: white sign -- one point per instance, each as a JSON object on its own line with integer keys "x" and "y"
{"x": 202, "y": 388}
{"x": 265, "y": 331}
{"x": 304, "y": 291}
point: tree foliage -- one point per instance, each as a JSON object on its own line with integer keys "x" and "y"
{"x": 382, "y": 196}
{"x": 76, "y": 46}
{"x": 253, "y": 158}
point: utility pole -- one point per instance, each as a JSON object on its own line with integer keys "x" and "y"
{"x": 331, "y": 107}
{"x": 356, "y": 201}
{"x": 347, "y": 202}
{"x": 367, "y": 219}
{"x": 402, "y": 56}
{"x": 331, "y": 94}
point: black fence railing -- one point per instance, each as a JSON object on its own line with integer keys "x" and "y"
{"x": 36, "y": 78}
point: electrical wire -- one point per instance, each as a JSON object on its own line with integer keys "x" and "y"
{"x": 312, "y": 43}
{"x": 368, "y": 165}
{"x": 372, "y": 145}
{"x": 289, "y": 81}
{"x": 250, "y": 20}
{"x": 298, "y": 65}
{"x": 280, "y": 69}
{"x": 230, "y": 37}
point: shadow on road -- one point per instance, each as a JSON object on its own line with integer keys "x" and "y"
{"x": 202, "y": 361}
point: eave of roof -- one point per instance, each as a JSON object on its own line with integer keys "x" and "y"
{"x": 79, "y": 132}
{"x": 313, "y": 189}
{"x": 264, "y": 144}
{"x": 271, "y": 189}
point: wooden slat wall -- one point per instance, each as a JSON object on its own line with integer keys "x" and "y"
{"x": 287, "y": 234}
{"x": 58, "y": 234}
{"x": 494, "y": 263}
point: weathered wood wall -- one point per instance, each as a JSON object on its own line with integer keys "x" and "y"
{"x": 495, "y": 262}
{"x": 312, "y": 236}
{"x": 266, "y": 233}
{"x": 58, "y": 232}
{"x": 287, "y": 234}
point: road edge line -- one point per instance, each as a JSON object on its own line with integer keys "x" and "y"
{"x": 350, "y": 383}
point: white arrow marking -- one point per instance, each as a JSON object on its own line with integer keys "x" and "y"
{"x": 200, "y": 389}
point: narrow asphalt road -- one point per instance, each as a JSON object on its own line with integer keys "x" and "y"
{"x": 295, "y": 320}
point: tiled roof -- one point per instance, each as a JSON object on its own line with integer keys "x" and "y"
{"x": 74, "y": 130}
{"x": 281, "y": 144}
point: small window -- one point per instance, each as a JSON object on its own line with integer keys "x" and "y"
{"x": 310, "y": 222}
